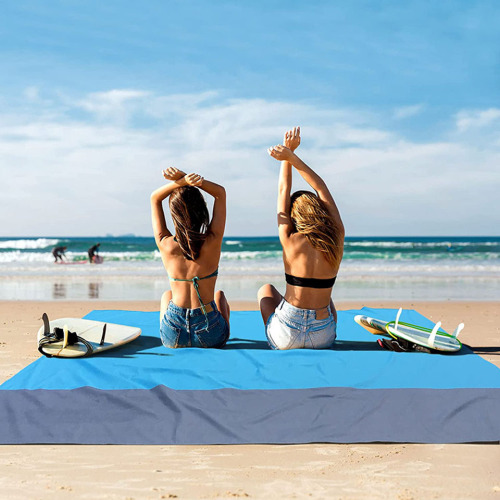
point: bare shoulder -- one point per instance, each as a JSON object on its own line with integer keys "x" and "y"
{"x": 167, "y": 245}
{"x": 211, "y": 248}
{"x": 298, "y": 239}
{"x": 213, "y": 239}
{"x": 295, "y": 243}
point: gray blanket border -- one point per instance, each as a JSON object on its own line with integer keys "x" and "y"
{"x": 232, "y": 416}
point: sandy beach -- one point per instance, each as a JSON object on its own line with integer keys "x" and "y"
{"x": 403, "y": 471}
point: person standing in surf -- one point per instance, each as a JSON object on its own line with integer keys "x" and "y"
{"x": 58, "y": 253}
{"x": 93, "y": 252}
{"x": 311, "y": 233}
{"x": 192, "y": 313}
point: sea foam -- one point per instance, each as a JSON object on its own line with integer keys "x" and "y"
{"x": 27, "y": 244}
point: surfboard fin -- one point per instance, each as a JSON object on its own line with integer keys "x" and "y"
{"x": 46, "y": 324}
{"x": 103, "y": 334}
{"x": 459, "y": 328}
{"x": 432, "y": 336}
{"x": 66, "y": 337}
{"x": 397, "y": 319}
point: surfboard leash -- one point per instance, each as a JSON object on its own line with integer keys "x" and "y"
{"x": 402, "y": 345}
{"x": 58, "y": 335}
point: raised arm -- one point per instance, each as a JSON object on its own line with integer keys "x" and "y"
{"x": 312, "y": 178}
{"x": 218, "y": 222}
{"x": 319, "y": 185}
{"x": 285, "y": 226}
{"x": 160, "y": 229}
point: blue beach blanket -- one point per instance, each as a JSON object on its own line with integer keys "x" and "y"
{"x": 143, "y": 393}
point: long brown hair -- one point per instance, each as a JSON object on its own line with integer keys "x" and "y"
{"x": 311, "y": 217}
{"x": 190, "y": 217}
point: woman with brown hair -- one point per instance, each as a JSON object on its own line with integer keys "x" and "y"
{"x": 192, "y": 313}
{"x": 312, "y": 236}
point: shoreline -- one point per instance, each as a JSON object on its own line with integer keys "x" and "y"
{"x": 391, "y": 268}
{"x": 244, "y": 288}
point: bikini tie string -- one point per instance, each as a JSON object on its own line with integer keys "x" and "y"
{"x": 195, "y": 283}
{"x": 202, "y": 305}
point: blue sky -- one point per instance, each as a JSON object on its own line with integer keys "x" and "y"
{"x": 399, "y": 97}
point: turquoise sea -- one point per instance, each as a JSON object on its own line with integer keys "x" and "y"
{"x": 373, "y": 268}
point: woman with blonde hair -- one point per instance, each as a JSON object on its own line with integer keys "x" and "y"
{"x": 192, "y": 313}
{"x": 312, "y": 236}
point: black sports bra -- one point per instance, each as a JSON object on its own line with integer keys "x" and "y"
{"x": 310, "y": 282}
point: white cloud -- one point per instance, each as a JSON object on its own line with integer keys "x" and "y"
{"x": 407, "y": 111}
{"x": 467, "y": 120}
{"x": 68, "y": 175}
{"x": 114, "y": 105}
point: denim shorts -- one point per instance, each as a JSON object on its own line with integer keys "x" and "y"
{"x": 292, "y": 328}
{"x": 181, "y": 327}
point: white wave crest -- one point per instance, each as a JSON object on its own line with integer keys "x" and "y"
{"x": 248, "y": 255}
{"x": 18, "y": 256}
{"x": 418, "y": 244}
{"x": 26, "y": 244}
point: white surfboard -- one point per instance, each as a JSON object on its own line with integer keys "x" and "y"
{"x": 90, "y": 333}
{"x": 431, "y": 338}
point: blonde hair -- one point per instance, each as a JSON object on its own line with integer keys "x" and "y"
{"x": 311, "y": 217}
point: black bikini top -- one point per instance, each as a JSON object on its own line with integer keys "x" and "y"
{"x": 310, "y": 282}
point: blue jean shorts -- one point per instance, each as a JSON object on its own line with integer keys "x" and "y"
{"x": 182, "y": 327}
{"x": 292, "y": 328}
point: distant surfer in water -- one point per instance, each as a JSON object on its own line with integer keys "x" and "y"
{"x": 58, "y": 253}
{"x": 311, "y": 233}
{"x": 93, "y": 252}
{"x": 192, "y": 314}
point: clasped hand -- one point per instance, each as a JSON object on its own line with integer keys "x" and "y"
{"x": 183, "y": 179}
{"x": 280, "y": 153}
{"x": 291, "y": 142}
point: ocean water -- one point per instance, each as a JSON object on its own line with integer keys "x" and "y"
{"x": 373, "y": 268}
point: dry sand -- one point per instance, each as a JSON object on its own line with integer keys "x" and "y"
{"x": 403, "y": 471}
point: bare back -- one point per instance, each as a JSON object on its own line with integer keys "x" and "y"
{"x": 304, "y": 261}
{"x": 177, "y": 266}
